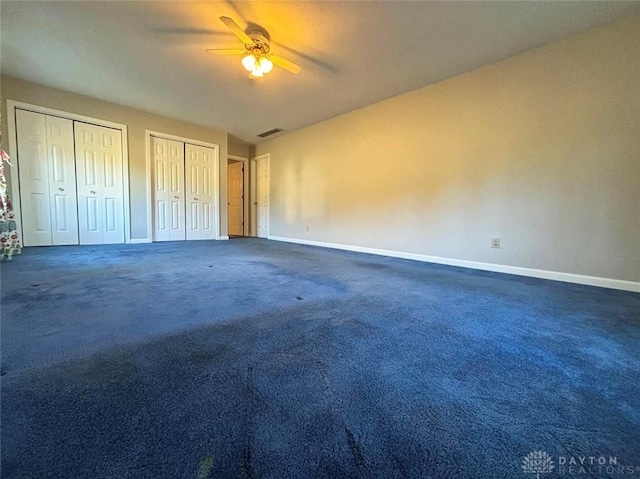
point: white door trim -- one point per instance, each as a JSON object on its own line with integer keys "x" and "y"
{"x": 245, "y": 191}
{"x": 12, "y": 106}
{"x": 216, "y": 177}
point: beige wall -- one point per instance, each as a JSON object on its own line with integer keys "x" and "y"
{"x": 137, "y": 122}
{"x": 541, "y": 150}
{"x": 238, "y": 149}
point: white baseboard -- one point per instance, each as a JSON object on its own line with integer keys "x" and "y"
{"x": 497, "y": 268}
{"x": 145, "y": 240}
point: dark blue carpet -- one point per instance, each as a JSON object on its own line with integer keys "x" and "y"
{"x": 255, "y": 359}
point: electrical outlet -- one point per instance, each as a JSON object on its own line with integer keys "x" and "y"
{"x": 495, "y": 242}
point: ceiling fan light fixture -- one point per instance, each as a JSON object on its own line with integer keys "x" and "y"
{"x": 265, "y": 65}
{"x": 256, "y": 73}
{"x": 257, "y": 64}
{"x": 249, "y": 62}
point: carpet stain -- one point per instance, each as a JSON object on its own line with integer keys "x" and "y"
{"x": 358, "y": 457}
{"x": 250, "y": 383}
{"x": 355, "y": 449}
{"x": 326, "y": 385}
{"x": 203, "y": 357}
{"x": 398, "y": 465}
{"x": 246, "y": 464}
{"x": 334, "y": 404}
{"x": 204, "y": 471}
{"x": 322, "y": 369}
{"x": 247, "y": 468}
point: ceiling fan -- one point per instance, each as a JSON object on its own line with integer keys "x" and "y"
{"x": 258, "y": 58}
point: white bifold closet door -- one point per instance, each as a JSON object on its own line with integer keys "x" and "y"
{"x": 168, "y": 181}
{"x": 47, "y": 181}
{"x": 100, "y": 184}
{"x": 199, "y": 163}
{"x": 183, "y": 191}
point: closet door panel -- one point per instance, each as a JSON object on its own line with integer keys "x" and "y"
{"x": 62, "y": 181}
{"x": 200, "y": 198}
{"x": 112, "y": 186}
{"x": 159, "y": 151}
{"x": 99, "y": 184}
{"x": 168, "y": 181}
{"x": 175, "y": 186}
{"x": 34, "y": 178}
{"x": 47, "y": 179}
{"x": 87, "y": 169}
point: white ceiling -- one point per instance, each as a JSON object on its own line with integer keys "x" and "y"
{"x": 151, "y": 55}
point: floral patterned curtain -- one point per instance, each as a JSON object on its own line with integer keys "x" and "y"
{"x": 9, "y": 242}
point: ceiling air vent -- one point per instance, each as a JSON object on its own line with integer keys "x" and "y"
{"x": 270, "y": 132}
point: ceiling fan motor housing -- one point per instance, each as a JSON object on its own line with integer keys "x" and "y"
{"x": 260, "y": 43}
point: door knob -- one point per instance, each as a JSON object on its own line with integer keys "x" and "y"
{"x": 177, "y": 197}
{"x": 195, "y": 199}
{"x": 92, "y": 192}
{"x": 60, "y": 189}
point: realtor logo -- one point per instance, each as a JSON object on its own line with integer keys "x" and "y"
{"x": 537, "y": 462}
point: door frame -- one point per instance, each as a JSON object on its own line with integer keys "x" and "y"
{"x": 245, "y": 192}
{"x": 216, "y": 177}
{"x": 253, "y": 162}
{"x": 13, "y": 105}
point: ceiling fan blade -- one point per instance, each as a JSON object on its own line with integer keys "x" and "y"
{"x": 286, "y": 64}
{"x": 226, "y": 51}
{"x": 238, "y": 32}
